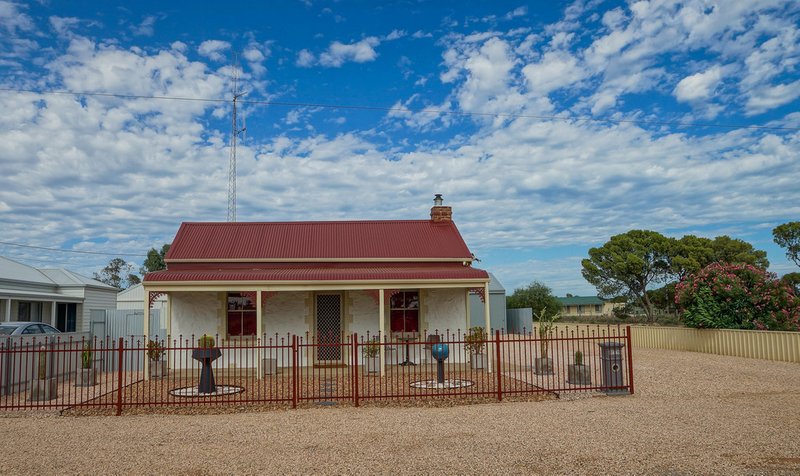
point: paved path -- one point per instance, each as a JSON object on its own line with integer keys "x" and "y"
{"x": 692, "y": 414}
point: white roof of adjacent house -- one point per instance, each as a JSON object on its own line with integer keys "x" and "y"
{"x": 11, "y": 270}
{"x": 135, "y": 293}
{"x": 65, "y": 277}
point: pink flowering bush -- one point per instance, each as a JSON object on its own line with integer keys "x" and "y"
{"x": 737, "y": 296}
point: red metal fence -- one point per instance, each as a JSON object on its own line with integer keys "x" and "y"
{"x": 291, "y": 370}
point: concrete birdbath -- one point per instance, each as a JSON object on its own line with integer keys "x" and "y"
{"x": 206, "y": 353}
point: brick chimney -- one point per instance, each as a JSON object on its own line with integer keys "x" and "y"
{"x": 440, "y": 213}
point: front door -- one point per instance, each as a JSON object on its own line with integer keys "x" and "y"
{"x": 329, "y": 328}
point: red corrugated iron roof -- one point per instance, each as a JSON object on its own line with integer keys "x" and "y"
{"x": 374, "y": 240}
{"x": 322, "y": 272}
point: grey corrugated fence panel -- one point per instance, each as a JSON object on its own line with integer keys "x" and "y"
{"x": 19, "y": 368}
{"x": 519, "y": 320}
{"x": 768, "y": 345}
{"x": 129, "y": 324}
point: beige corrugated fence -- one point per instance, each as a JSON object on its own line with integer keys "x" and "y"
{"x": 768, "y": 345}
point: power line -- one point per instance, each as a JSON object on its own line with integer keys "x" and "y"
{"x": 421, "y": 111}
{"x": 70, "y": 251}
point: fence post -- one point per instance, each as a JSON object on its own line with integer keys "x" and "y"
{"x": 497, "y": 367}
{"x": 120, "y": 371}
{"x": 630, "y": 358}
{"x": 354, "y": 369}
{"x": 294, "y": 370}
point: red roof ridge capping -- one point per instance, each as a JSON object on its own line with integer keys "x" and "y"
{"x": 403, "y": 240}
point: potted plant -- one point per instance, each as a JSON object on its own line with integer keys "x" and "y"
{"x": 206, "y": 352}
{"x": 474, "y": 343}
{"x": 86, "y": 375}
{"x": 371, "y": 352}
{"x": 43, "y": 387}
{"x": 543, "y": 365}
{"x": 155, "y": 353}
{"x": 578, "y": 373}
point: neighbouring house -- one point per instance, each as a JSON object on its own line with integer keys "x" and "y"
{"x": 587, "y": 306}
{"x": 128, "y": 318}
{"x": 393, "y": 278}
{"x": 58, "y": 297}
{"x": 497, "y": 305}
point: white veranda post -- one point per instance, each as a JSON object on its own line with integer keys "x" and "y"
{"x": 382, "y": 330}
{"x": 487, "y": 324}
{"x": 146, "y": 332}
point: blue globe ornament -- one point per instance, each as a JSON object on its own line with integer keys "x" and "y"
{"x": 440, "y": 352}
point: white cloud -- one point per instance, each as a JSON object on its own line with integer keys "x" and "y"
{"x": 770, "y": 97}
{"x": 255, "y": 58}
{"x": 305, "y": 59}
{"x": 146, "y": 27}
{"x": 699, "y": 86}
{"x": 517, "y": 12}
{"x": 395, "y": 35}
{"x": 63, "y": 25}
{"x": 212, "y": 49}
{"x": 555, "y": 70}
{"x": 359, "y": 52}
{"x": 13, "y": 19}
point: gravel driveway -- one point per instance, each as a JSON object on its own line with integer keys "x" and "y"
{"x": 692, "y": 414}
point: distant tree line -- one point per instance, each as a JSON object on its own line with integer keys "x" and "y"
{"x": 120, "y": 274}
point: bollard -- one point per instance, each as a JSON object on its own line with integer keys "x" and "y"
{"x": 611, "y": 368}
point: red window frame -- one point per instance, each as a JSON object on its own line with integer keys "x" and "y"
{"x": 242, "y": 315}
{"x": 404, "y": 312}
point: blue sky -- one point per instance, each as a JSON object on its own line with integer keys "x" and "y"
{"x": 548, "y": 128}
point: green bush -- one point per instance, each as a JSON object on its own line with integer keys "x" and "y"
{"x": 475, "y": 340}
{"x": 205, "y": 342}
{"x": 86, "y": 356}
{"x": 155, "y": 350}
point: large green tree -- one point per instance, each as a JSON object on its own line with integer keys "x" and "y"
{"x": 691, "y": 253}
{"x": 732, "y": 251}
{"x": 118, "y": 273}
{"x": 788, "y": 236}
{"x": 154, "y": 260}
{"x": 536, "y": 296}
{"x": 628, "y": 263}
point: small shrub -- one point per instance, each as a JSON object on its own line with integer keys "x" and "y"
{"x": 546, "y": 324}
{"x": 86, "y": 356}
{"x": 372, "y": 348}
{"x": 205, "y": 342}
{"x": 475, "y": 340}
{"x": 578, "y": 357}
{"x": 155, "y": 350}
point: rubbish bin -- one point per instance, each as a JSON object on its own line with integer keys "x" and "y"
{"x": 611, "y": 368}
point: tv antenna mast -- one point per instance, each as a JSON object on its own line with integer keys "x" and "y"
{"x": 235, "y": 131}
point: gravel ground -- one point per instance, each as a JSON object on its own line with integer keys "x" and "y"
{"x": 692, "y": 414}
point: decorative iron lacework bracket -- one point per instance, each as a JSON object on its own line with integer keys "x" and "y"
{"x": 152, "y": 296}
{"x": 481, "y": 292}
